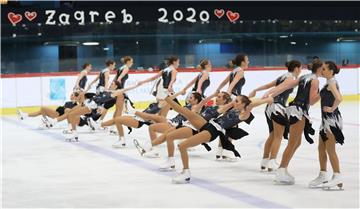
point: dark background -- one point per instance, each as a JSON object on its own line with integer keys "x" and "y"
{"x": 270, "y": 32}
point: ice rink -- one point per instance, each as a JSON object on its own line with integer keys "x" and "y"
{"x": 41, "y": 170}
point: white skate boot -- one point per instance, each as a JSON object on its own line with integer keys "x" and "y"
{"x": 162, "y": 94}
{"x": 228, "y": 156}
{"x": 43, "y": 124}
{"x": 95, "y": 125}
{"x": 264, "y": 164}
{"x": 21, "y": 115}
{"x": 183, "y": 177}
{"x": 113, "y": 131}
{"x": 335, "y": 183}
{"x": 72, "y": 136}
{"x": 51, "y": 122}
{"x": 283, "y": 177}
{"x": 320, "y": 180}
{"x": 219, "y": 153}
{"x": 120, "y": 143}
{"x": 152, "y": 153}
{"x": 272, "y": 165}
{"x": 168, "y": 165}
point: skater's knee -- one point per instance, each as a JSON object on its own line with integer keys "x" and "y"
{"x": 330, "y": 149}
{"x": 117, "y": 120}
{"x": 292, "y": 143}
{"x": 169, "y": 137}
{"x": 321, "y": 147}
{"x": 182, "y": 146}
{"x": 152, "y": 128}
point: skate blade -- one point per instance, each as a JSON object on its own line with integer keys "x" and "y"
{"x": 228, "y": 159}
{"x": 218, "y": 158}
{"x": 119, "y": 146}
{"x": 139, "y": 148}
{"x": 167, "y": 169}
{"x": 186, "y": 181}
{"x": 271, "y": 171}
{"x": 315, "y": 187}
{"x": 113, "y": 133}
{"x": 151, "y": 156}
{"x": 283, "y": 183}
{"x": 338, "y": 187}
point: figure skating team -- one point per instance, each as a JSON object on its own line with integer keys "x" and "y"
{"x": 199, "y": 123}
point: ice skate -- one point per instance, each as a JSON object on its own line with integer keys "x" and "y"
{"x": 183, "y": 177}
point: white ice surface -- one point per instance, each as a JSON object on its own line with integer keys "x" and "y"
{"x": 40, "y": 169}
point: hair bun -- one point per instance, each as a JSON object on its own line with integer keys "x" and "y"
{"x": 310, "y": 66}
{"x": 287, "y": 64}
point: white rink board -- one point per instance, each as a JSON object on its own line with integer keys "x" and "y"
{"x": 35, "y": 91}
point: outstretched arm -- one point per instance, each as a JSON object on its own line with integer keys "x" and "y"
{"x": 226, "y": 107}
{"x": 204, "y": 101}
{"x": 150, "y": 79}
{"x": 81, "y": 75}
{"x": 287, "y": 84}
{"x": 121, "y": 91}
{"x": 203, "y": 78}
{"x": 89, "y": 86}
{"x": 123, "y": 73}
{"x": 222, "y": 84}
{"x": 266, "y": 86}
{"x": 190, "y": 84}
{"x": 237, "y": 77}
{"x": 257, "y": 102}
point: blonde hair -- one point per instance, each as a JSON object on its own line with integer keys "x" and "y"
{"x": 125, "y": 59}
{"x": 202, "y": 64}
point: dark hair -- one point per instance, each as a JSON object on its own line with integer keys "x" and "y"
{"x": 197, "y": 96}
{"x": 239, "y": 59}
{"x": 333, "y": 67}
{"x": 118, "y": 84}
{"x": 125, "y": 59}
{"x": 203, "y": 63}
{"x": 316, "y": 64}
{"x": 85, "y": 65}
{"x": 244, "y": 99}
{"x": 109, "y": 62}
{"x": 226, "y": 97}
{"x": 172, "y": 59}
{"x": 291, "y": 65}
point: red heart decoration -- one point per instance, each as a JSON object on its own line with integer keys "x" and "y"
{"x": 14, "y": 18}
{"x": 30, "y": 15}
{"x": 219, "y": 13}
{"x": 232, "y": 16}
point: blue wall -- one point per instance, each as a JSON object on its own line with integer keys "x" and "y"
{"x": 36, "y": 57}
{"x": 22, "y": 58}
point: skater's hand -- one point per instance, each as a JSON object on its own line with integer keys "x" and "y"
{"x": 252, "y": 93}
{"x": 328, "y": 109}
{"x": 270, "y": 99}
{"x": 140, "y": 83}
{"x": 183, "y": 91}
{"x": 265, "y": 95}
{"x": 170, "y": 89}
